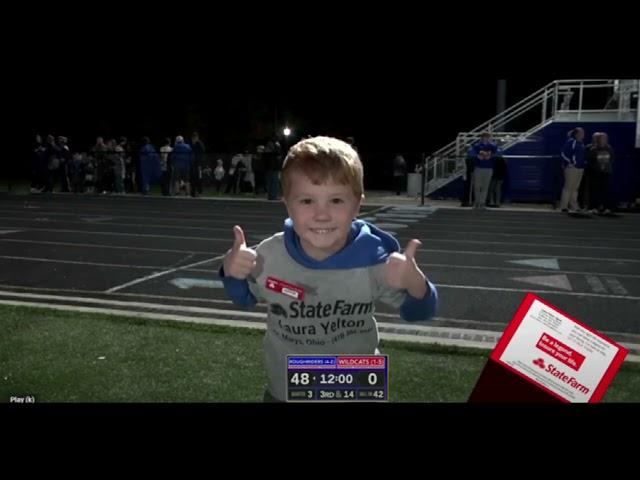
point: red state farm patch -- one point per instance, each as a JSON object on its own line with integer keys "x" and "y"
{"x": 284, "y": 288}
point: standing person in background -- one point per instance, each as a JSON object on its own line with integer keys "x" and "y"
{"x": 573, "y": 162}
{"x": 499, "y": 174}
{"x": 113, "y": 154}
{"x": 467, "y": 194}
{"x": 181, "y": 158}
{"x": 52, "y": 155}
{"x": 218, "y": 175}
{"x": 165, "y": 167}
{"x": 600, "y": 159}
{"x": 130, "y": 160}
{"x": 259, "y": 171}
{"x": 77, "y": 172}
{"x": 132, "y": 150}
{"x": 38, "y": 166}
{"x": 119, "y": 169}
{"x": 65, "y": 160}
{"x": 483, "y": 152}
{"x": 197, "y": 164}
{"x": 273, "y": 164}
{"x": 98, "y": 152}
{"x": 149, "y": 165}
{"x": 584, "y": 190}
{"x": 237, "y": 169}
{"x": 399, "y": 173}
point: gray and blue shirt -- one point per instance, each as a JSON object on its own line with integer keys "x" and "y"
{"x": 323, "y": 307}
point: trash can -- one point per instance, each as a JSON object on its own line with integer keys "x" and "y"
{"x": 413, "y": 184}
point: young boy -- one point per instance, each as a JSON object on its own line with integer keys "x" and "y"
{"x": 322, "y": 275}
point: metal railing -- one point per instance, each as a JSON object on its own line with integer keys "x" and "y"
{"x": 560, "y": 96}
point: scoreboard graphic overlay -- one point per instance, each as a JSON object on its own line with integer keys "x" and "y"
{"x": 337, "y": 378}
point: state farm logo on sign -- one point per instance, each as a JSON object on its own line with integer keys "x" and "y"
{"x": 569, "y": 380}
{"x": 539, "y": 362}
{"x": 560, "y": 375}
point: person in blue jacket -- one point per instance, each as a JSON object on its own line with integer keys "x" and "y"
{"x": 573, "y": 163}
{"x": 483, "y": 152}
{"x": 149, "y": 165}
{"x": 181, "y": 159}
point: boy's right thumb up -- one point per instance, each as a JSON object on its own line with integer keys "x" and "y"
{"x": 239, "y": 238}
{"x": 240, "y": 260}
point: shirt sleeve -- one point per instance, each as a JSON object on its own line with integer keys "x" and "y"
{"x": 238, "y": 290}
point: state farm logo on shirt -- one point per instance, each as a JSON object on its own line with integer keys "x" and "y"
{"x": 277, "y": 309}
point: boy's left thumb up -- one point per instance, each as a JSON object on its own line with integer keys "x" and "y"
{"x": 410, "y": 249}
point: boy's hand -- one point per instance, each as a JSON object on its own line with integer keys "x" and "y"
{"x": 401, "y": 271}
{"x": 240, "y": 260}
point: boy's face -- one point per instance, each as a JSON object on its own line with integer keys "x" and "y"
{"x": 321, "y": 214}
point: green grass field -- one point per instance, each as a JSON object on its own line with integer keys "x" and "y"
{"x": 60, "y": 356}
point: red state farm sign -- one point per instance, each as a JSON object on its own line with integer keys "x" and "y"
{"x": 546, "y": 353}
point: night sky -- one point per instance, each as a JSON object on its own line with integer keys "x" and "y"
{"x": 233, "y": 108}
{"x": 386, "y": 116}
{"x": 386, "y": 112}
{"x": 389, "y": 78}
{"x": 392, "y": 96}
